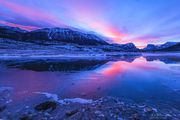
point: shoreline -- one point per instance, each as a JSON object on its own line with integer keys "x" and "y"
{"x": 55, "y": 54}
{"x": 105, "y": 108}
{"x": 102, "y": 109}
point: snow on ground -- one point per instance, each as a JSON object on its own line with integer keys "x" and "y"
{"x": 55, "y": 97}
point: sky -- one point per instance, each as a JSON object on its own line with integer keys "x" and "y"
{"x": 121, "y": 21}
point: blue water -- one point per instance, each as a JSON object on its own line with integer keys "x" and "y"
{"x": 152, "y": 80}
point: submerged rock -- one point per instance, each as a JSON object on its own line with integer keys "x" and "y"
{"x": 72, "y": 112}
{"x": 148, "y": 110}
{"x": 49, "y": 105}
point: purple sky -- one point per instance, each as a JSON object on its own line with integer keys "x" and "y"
{"x": 137, "y": 21}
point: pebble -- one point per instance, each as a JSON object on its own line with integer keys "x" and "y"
{"x": 103, "y": 108}
{"x": 70, "y": 113}
{"x": 48, "y": 105}
{"x": 135, "y": 117}
{"x": 148, "y": 110}
{"x": 155, "y": 110}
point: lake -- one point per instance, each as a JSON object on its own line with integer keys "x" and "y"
{"x": 153, "y": 80}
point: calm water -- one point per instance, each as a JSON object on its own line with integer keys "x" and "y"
{"x": 152, "y": 80}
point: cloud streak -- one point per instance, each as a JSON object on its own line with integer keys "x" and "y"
{"x": 32, "y": 13}
{"x": 28, "y": 28}
{"x": 122, "y": 21}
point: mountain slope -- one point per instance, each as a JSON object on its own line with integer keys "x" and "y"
{"x": 60, "y": 37}
{"x": 64, "y": 35}
{"x": 11, "y": 32}
{"x": 169, "y": 46}
{"x": 175, "y": 47}
{"x": 51, "y": 34}
{"x": 126, "y": 47}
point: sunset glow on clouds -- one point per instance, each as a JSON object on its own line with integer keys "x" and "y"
{"x": 123, "y": 21}
{"x": 28, "y": 28}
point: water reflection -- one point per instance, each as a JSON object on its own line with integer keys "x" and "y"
{"x": 54, "y": 64}
{"x": 166, "y": 59}
{"x": 142, "y": 79}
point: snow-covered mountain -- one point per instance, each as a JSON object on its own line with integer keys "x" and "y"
{"x": 52, "y": 36}
{"x": 168, "y": 46}
{"x": 126, "y": 47}
{"x": 11, "y": 32}
{"x": 65, "y": 35}
{"x": 150, "y": 47}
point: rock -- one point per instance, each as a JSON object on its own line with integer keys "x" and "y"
{"x": 141, "y": 106}
{"x": 99, "y": 114}
{"x": 155, "y": 110}
{"x": 168, "y": 116}
{"x": 104, "y": 108}
{"x": 2, "y": 108}
{"x": 135, "y": 116}
{"x": 70, "y": 113}
{"x": 148, "y": 110}
{"x": 25, "y": 118}
{"x": 49, "y": 105}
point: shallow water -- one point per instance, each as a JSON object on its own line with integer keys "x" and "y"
{"x": 152, "y": 79}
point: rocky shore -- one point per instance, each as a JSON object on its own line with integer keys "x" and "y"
{"x": 106, "y": 108}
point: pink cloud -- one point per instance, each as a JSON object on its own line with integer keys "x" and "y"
{"x": 28, "y": 28}
{"x": 32, "y": 13}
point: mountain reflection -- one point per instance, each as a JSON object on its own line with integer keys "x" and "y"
{"x": 55, "y": 65}
{"x": 162, "y": 58}
{"x": 129, "y": 77}
{"x": 41, "y": 65}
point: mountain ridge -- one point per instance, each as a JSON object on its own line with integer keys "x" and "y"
{"x": 51, "y": 34}
{"x": 57, "y": 35}
{"x": 168, "y": 46}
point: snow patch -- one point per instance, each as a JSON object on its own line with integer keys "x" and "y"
{"x": 78, "y": 100}
{"x": 48, "y": 95}
{"x": 65, "y": 101}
